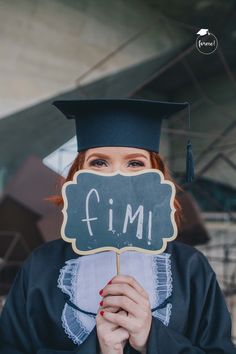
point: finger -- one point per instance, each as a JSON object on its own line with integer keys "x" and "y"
{"x": 128, "y": 291}
{"x": 111, "y": 308}
{"x": 118, "y": 335}
{"x": 124, "y": 313}
{"x": 125, "y": 303}
{"x": 99, "y": 318}
{"x": 103, "y": 325}
{"x": 108, "y": 308}
{"x": 128, "y": 279}
{"x": 123, "y": 321}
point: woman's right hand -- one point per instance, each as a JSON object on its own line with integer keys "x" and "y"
{"x": 112, "y": 338}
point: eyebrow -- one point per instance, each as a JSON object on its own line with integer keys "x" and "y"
{"x": 104, "y": 156}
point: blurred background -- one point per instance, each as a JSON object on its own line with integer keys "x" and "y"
{"x": 55, "y": 49}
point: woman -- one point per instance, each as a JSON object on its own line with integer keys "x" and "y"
{"x": 191, "y": 315}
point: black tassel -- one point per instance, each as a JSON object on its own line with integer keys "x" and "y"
{"x": 189, "y": 163}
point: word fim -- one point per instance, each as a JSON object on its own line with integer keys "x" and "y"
{"x": 129, "y": 217}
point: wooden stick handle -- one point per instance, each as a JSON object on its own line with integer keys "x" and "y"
{"x": 117, "y": 263}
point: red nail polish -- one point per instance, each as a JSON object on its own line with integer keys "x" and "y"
{"x": 101, "y": 313}
{"x": 110, "y": 282}
{"x": 100, "y": 292}
{"x": 101, "y": 303}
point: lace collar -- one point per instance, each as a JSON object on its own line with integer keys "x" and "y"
{"x": 82, "y": 278}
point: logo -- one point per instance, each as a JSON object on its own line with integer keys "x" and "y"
{"x": 206, "y": 42}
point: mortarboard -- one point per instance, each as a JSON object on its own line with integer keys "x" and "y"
{"x": 121, "y": 122}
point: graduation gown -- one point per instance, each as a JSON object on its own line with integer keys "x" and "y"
{"x": 192, "y": 317}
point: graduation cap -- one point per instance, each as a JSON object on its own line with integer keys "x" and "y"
{"x": 121, "y": 122}
{"x": 203, "y": 32}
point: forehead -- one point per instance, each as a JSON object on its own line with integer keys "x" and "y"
{"x": 116, "y": 150}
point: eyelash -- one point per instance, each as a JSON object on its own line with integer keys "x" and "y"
{"x": 96, "y": 162}
{"x": 138, "y": 163}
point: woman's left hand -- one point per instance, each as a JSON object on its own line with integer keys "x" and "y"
{"x": 126, "y": 293}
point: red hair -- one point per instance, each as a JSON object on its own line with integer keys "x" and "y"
{"x": 156, "y": 162}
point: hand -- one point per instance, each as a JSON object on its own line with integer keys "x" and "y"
{"x": 112, "y": 338}
{"x": 125, "y": 292}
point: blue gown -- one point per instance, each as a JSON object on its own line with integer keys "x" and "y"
{"x": 40, "y": 315}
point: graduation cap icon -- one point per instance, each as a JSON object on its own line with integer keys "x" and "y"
{"x": 203, "y": 32}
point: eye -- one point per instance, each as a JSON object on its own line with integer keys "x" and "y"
{"x": 98, "y": 163}
{"x": 135, "y": 163}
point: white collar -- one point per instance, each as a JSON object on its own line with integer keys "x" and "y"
{"x": 82, "y": 278}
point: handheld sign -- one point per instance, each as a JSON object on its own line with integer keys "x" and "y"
{"x": 119, "y": 212}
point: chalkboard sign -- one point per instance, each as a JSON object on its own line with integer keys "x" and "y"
{"x": 119, "y": 212}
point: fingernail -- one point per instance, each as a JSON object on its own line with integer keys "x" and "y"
{"x": 101, "y": 303}
{"x": 100, "y": 292}
{"x": 109, "y": 282}
{"x": 101, "y": 313}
